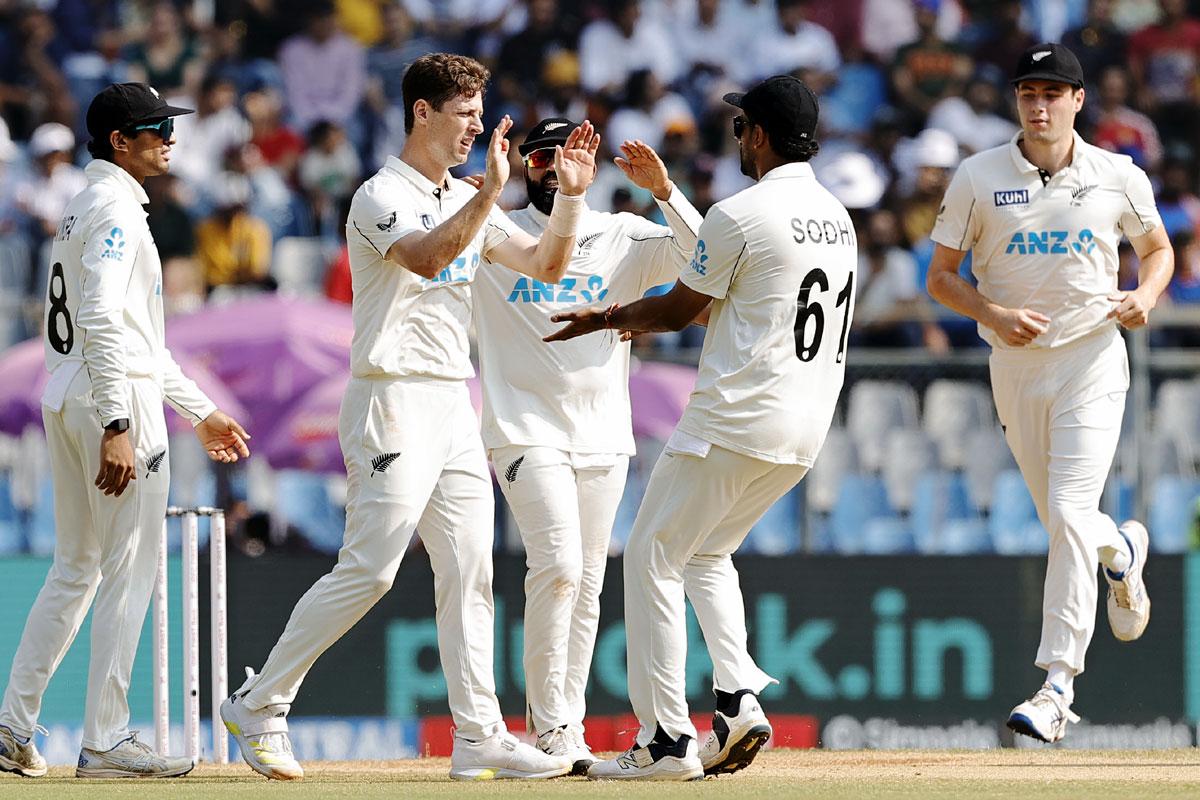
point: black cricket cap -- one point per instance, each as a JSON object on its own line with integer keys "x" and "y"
{"x": 547, "y": 133}
{"x": 782, "y": 105}
{"x": 120, "y": 106}
{"x": 1049, "y": 61}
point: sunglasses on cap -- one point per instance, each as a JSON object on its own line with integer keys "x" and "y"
{"x": 164, "y": 128}
{"x": 740, "y": 123}
{"x": 540, "y": 159}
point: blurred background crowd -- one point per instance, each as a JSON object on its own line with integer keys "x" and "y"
{"x": 298, "y": 102}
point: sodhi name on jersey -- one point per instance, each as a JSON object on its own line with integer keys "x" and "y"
{"x": 1029, "y": 243}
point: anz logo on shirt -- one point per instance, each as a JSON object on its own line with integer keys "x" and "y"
{"x": 568, "y": 290}
{"x": 456, "y": 272}
{"x": 1032, "y": 243}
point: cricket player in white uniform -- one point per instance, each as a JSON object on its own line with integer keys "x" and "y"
{"x": 556, "y": 420}
{"x": 414, "y": 458}
{"x": 107, "y": 437}
{"x": 1043, "y": 216}
{"x": 777, "y": 263}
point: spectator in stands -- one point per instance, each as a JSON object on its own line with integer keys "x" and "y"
{"x": 929, "y": 69}
{"x": 270, "y": 197}
{"x": 888, "y": 25}
{"x": 1119, "y": 128}
{"x": 613, "y": 47}
{"x": 1099, "y": 43}
{"x": 560, "y": 95}
{"x": 167, "y": 58}
{"x": 402, "y": 43}
{"x": 175, "y": 236}
{"x": 706, "y": 46}
{"x": 217, "y": 126}
{"x": 279, "y": 145}
{"x": 926, "y": 165}
{"x": 33, "y": 89}
{"x": 1165, "y": 58}
{"x": 1005, "y": 39}
{"x": 1185, "y": 283}
{"x": 1177, "y": 202}
{"x": 647, "y": 111}
{"x": 329, "y": 173}
{"x": 797, "y": 46}
{"x": 234, "y": 247}
{"x": 890, "y": 309}
{"x": 86, "y": 73}
{"x": 978, "y": 119}
{"x": 523, "y": 56}
{"x": 53, "y": 181}
{"x": 324, "y": 70}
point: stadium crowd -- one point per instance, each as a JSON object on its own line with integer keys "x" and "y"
{"x": 298, "y": 102}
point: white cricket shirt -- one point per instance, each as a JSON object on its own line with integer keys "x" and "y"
{"x": 572, "y": 395}
{"x": 104, "y": 301}
{"x": 405, "y": 324}
{"x": 1047, "y": 247}
{"x": 779, "y": 259}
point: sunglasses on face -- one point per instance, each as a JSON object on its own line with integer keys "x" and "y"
{"x": 164, "y": 128}
{"x": 540, "y": 159}
{"x": 740, "y": 123}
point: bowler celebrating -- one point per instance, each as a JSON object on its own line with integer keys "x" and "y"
{"x": 1043, "y": 216}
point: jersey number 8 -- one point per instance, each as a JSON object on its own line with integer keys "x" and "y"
{"x": 61, "y": 342}
{"x": 808, "y": 310}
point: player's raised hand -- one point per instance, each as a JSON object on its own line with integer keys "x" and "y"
{"x": 223, "y": 438}
{"x": 117, "y": 463}
{"x": 496, "y": 174}
{"x": 582, "y": 321}
{"x": 1130, "y": 309}
{"x": 644, "y": 168}
{"x": 1019, "y": 326}
{"x": 575, "y": 162}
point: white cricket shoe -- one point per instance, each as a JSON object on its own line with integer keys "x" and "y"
{"x": 130, "y": 758}
{"x": 1043, "y": 716}
{"x": 566, "y": 742}
{"x": 261, "y": 735}
{"x": 20, "y": 757}
{"x": 656, "y": 761}
{"x": 501, "y": 756}
{"x": 1128, "y": 600}
{"x": 735, "y": 740}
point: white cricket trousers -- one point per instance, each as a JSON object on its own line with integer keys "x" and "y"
{"x": 694, "y": 515}
{"x": 564, "y": 504}
{"x": 414, "y": 462}
{"x": 105, "y": 548}
{"x": 1061, "y": 409}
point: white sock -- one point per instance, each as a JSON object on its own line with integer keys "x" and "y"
{"x": 1062, "y": 677}
{"x": 1116, "y": 559}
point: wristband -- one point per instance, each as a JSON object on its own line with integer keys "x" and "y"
{"x": 564, "y": 217}
{"x": 608, "y": 312}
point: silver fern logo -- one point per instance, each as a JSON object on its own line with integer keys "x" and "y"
{"x": 510, "y": 474}
{"x": 154, "y": 462}
{"x": 381, "y": 462}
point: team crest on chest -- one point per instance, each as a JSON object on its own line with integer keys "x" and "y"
{"x": 427, "y": 221}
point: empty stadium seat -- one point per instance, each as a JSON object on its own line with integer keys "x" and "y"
{"x": 908, "y": 454}
{"x": 837, "y": 459}
{"x": 876, "y": 407}
{"x": 1014, "y": 526}
{"x": 860, "y": 499}
{"x": 886, "y": 536}
{"x": 989, "y": 457}
{"x": 302, "y": 499}
{"x": 953, "y": 409}
{"x": 777, "y": 532}
{"x": 939, "y": 498}
{"x": 963, "y": 537}
{"x": 1177, "y": 410}
{"x": 1173, "y": 511}
{"x": 1165, "y": 452}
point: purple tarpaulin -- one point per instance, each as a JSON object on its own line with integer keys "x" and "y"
{"x": 23, "y": 376}
{"x": 658, "y": 393}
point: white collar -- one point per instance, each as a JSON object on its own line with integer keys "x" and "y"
{"x": 99, "y": 170}
{"x": 792, "y": 169}
{"x": 1023, "y": 164}
{"x": 409, "y": 172}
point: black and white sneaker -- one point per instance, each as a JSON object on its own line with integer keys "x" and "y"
{"x": 735, "y": 739}
{"x": 663, "y": 759}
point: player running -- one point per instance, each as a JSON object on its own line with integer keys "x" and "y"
{"x": 110, "y": 372}
{"x": 777, "y": 264}
{"x": 407, "y": 429}
{"x": 1043, "y": 216}
{"x": 556, "y": 420}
